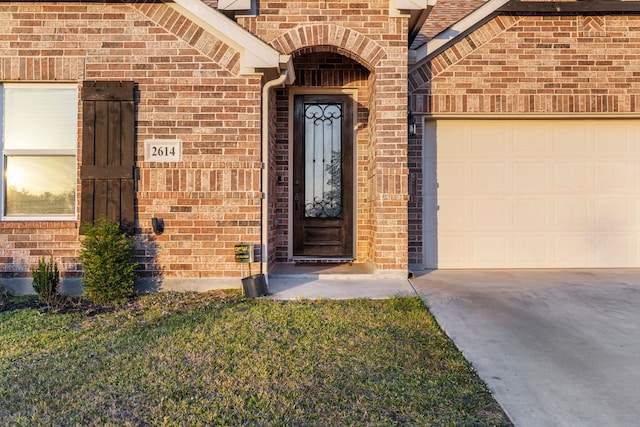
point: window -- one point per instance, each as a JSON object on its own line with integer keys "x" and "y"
{"x": 39, "y": 144}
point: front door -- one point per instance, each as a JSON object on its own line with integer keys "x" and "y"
{"x": 323, "y": 176}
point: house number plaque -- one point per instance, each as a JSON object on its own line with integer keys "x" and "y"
{"x": 163, "y": 150}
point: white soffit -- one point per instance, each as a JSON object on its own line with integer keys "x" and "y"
{"x": 410, "y": 4}
{"x": 255, "y": 54}
{"x": 460, "y": 28}
{"x": 403, "y": 7}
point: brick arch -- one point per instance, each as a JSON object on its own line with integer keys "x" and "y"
{"x": 344, "y": 41}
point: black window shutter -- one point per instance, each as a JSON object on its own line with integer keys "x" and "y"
{"x": 108, "y": 147}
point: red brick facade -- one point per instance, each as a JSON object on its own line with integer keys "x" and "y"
{"x": 190, "y": 86}
{"x": 536, "y": 64}
{"x": 374, "y": 48}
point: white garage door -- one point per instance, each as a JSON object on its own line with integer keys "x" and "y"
{"x": 532, "y": 193}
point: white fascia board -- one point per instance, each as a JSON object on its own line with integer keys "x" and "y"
{"x": 255, "y": 54}
{"x": 460, "y": 28}
{"x": 410, "y": 4}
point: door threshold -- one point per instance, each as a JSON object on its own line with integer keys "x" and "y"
{"x": 322, "y": 261}
{"x": 328, "y": 267}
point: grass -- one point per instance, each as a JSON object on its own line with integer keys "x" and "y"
{"x": 218, "y": 359}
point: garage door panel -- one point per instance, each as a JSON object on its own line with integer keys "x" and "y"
{"x": 532, "y": 250}
{"x": 572, "y": 250}
{"x": 490, "y": 215}
{"x": 532, "y": 177}
{"x": 612, "y": 214}
{"x": 487, "y": 247}
{"x": 617, "y": 146}
{"x": 453, "y": 214}
{"x": 536, "y": 193}
{"x": 571, "y": 140}
{"x": 489, "y": 177}
{"x": 532, "y": 215}
{"x": 611, "y": 249}
{"x": 531, "y": 140}
{"x": 490, "y": 141}
{"x": 572, "y": 177}
{"x": 459, "y": 177}
{"x": 452, "y": 142}
{"x": 454, "y": 250}
{"x": 571, "y": 214}
{"x": 613, "y": 177}
{"x": 620, "y": 136}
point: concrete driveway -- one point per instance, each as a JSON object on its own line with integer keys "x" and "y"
{"x": 556, "y": 347}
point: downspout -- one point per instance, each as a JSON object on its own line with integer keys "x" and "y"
{"x": 264, "y": 157}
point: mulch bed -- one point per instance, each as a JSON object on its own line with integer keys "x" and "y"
{"x": 63, "y": 304}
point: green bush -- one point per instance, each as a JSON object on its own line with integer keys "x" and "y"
{"x": 46, "y": 280}
{"x": 107, "y": 263}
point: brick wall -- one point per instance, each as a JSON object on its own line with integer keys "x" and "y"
{"x": 188, "y": 88}
{"x": 363, "y": 32}
{"x": 536, "y": 64}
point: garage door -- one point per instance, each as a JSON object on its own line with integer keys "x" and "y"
{"x": 532, "y": 193}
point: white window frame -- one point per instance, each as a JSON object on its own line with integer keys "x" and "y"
{"x": 35, "y": 152}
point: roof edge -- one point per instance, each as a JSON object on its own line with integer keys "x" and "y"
{"x": 451, "y": 34}
{"x": 460, "y": 29}
{"x": 571, "y": 7}
{"x": 255, "y": 55}
{"x": 416, "y": 10}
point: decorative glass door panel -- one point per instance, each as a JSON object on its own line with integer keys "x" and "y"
{"x": 323, "y": 176}
{"x": 323, "y": 160}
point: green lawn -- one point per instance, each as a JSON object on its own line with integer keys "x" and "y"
{"x": 219, "y": 359}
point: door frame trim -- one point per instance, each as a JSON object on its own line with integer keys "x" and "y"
{"x": 302, "y": 90}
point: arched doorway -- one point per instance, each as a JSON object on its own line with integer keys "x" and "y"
{"x": 320, "y": 159}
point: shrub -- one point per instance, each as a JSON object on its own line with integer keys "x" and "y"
{"x": 107, "y": 263}
{"x": 4, "y": 297}
{"x": 46, "y": 280}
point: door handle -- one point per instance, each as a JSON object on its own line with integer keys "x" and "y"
{"x": 296, "y": 199}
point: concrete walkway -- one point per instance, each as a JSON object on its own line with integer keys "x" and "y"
{"x": 334, "y": 281}
{"x": 318, "y": 288}
{"x": 557, "y": 348}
